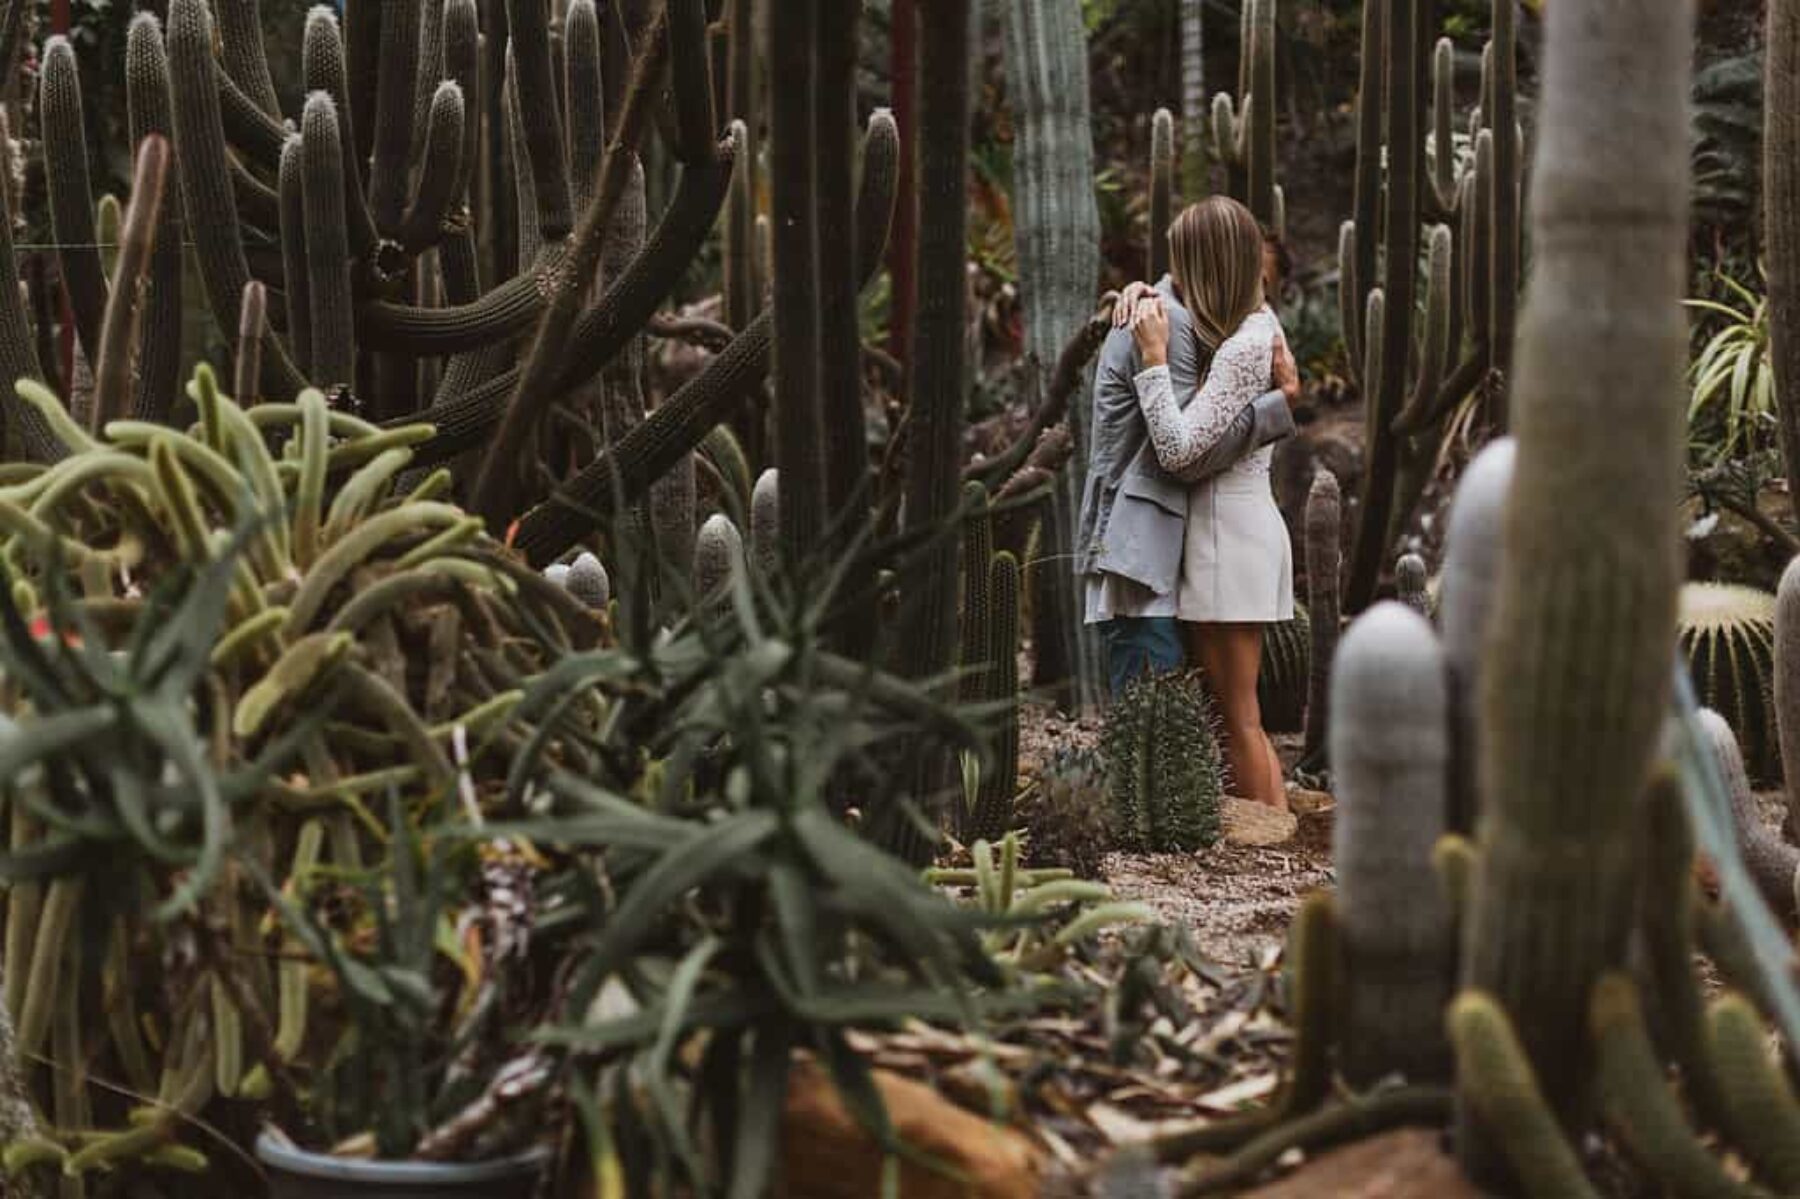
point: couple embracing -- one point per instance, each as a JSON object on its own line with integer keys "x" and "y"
{"x": 1183, "y": 554}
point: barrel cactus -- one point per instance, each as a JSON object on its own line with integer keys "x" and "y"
{"x": 1286, "y": 673}
{"x": 1728, "y": 637}
{"x": 1067, "y": 814}
{"x": 1163, "y": 765}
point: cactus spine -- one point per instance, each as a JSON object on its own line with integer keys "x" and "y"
{"x": 1323, "y": 525}
{"x": 1584, "y": 609}
{"x": 1390, "y": 756}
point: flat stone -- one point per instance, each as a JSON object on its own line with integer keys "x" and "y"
{"x": 1247, "y": 822}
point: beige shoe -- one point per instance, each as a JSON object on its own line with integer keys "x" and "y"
{"x": 1247, "y": 822}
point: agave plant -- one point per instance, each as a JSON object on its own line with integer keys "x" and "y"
{"x": 1732, "y": 375}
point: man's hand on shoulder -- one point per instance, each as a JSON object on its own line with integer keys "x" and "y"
{"x": 1128, "y": 302}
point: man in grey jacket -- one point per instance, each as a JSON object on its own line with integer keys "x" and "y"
{"x": 1133, "y": 513}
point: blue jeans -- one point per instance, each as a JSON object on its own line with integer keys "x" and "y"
{"x": 1139, "y": 645}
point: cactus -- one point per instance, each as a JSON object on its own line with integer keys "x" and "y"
{"x": 1412, "y": 383}
{"x": 71, "y": 195}
{"x": 1765, "y": 1116}
{"x": 1194, "y": 112}
{"x": 1162, "y": 190}
{"x": 147, "y": 102}
{"x": 765, "y": 522}
{"x": 1412, "y": 584}
{"x": 1584, "y": 609}
{"x": 718, "y": 556}
{"x": 1787, "y": 685}
{"x": 328, "y": 286}
{"x": 993, "y": 816}
{"x": 1244, "y": 131}
{"x": 1285, "y": 674}
{"x": 1323, "y": 526}
{"x": 118, "y": 338}
{"x": 1067, "y": 814}
{"x": 1771, "y": 860}
{"x": 1163, "y": 766}
{"x": 1781, "y": 222}
{"x": 1727, "y": 633}
{"x": 975, "y": 619}
{"x": 1390, "y": 762}
{"x": 1465, "y": 600}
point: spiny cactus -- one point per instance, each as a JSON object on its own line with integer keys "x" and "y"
{"x": 1067, "y": 814}
{"x": 1771, "y": 860}
{"x": 1244, "y": 132}
{"x": 1323, "y": 528}
{"x": 1162, "y": 190}
{"x": 765, "y": 521}
{"x": 1781, "y": 222}
{"x": 1163, "y": 765}
{"x": 1412, "y": 584}
{"x": 1787, "y": 686}
{"x": 1765, "y": 1116}
{"x": 1469, "y": 223}
{"x": 1465, "y": 599}
{"x": 993, "y": 815}
{"x": 718, "y": 555}
{"x": 587, "y": 581}
{"x": 1285, "y": 675}
{"x": 1727, "y": 633}
{"x": 1585, "y": 609}
{"x": 1390, "y": 761}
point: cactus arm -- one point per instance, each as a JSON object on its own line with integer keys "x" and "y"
{"x": 585, "y": 92}
{"x": 328, "y": 286}
{"x": 159, "y": 351}
{"x": 1000, "y": 685}
{"x": 293, "y": 254}
{"x": 1771, "y": 860}
{"x": 206, "y": 180}
{"x": 1495, "y": 1075}
{"x": 427, "y": 75}
{"x": 975, "y": 623}
{"x": 1434, "y": 352}
{"x": 683, "y": 419}
{"x": 1443, "y": 112}
{"x": 1787, "y": 684}
{"x": 496, "y": 492}
{"x": 396, "y": 75}
{"x": 462, "y": 66}
{"x": 1349, "y": 306}
{"x": 439, "y": 172}
{"x": 1639, "y": 1105}
{"x": 253, "y": 325}
{"x": 528, "y": 37}
{"x": 137, "y": 242}
{"x": 743, "y": 290}
{"x": 1162, "y": 191}
{"x": 250, "y": 130}
{"x": 323, "y": 69}
{"x": 1585, "y": 608}
{"x": 1389, "y": 757}
{"x": 70, "y": 194}
{"x": 241, "y": 52}
{"x": 257, "y": 202}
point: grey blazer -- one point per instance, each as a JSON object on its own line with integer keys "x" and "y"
{"x": 1134, "y": 513}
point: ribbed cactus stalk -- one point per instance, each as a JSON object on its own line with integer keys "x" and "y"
{"x": 1285, "y": 676}
{"x": 1162, "y": 190}
{"x": 587, "y": 581}
{"x": 1466, "y": 593}
{"x": 939, "y": 375}
{"x": 993, "y": 816}
{"x": 1412, "y": 583}
{"x": 1194, "y": 112}
{"x": 743, "y": 288}
{"x": 765, "y": 522}
{"x": 1056, "y": 231}
{"x": 1420, "y": 377}
{"x": 718, "y": 557}
{"x": 1585, "y": 610}
{"x": 1781, "y": 222}
{"x": 28, "y": 431}
{"x": 328, "y": 285}
{"x": 294, "y": 260}
{"x": 1390, "y": 751}
{"x": 1244, "y": 129}
{"x": 1771, "y": 860}
{"x": 975, "y": 617}
{"x": 147, "y": 101}
{"x": 71, "y": 195}
{"x": 1163, "y": 767}
{"x": 1727, "y": 634}
{"x": 1765, "y": 1116}
{"x": 1323, "y": 526}
{"x": 137, "y": 245}
{"x": 1787, "y": 686}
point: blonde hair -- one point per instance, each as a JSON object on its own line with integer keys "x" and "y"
{"x": 1215, "y": 255}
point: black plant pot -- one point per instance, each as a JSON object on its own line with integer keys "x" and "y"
{"x": 296, "y": 1174}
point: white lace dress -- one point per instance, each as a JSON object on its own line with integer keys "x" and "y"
{"x": 1237, "y": 564}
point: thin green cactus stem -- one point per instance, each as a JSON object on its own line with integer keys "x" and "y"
{"x": 462, "y": 66}
{"x": 1443, "y": 116}
{"x": 26, "y": 425}
{"x": 253, "y": 327}
{"x": 323, "y": 69}
{"x": 1372, "y": 72}
{"x": 439, "y": 172}
{"x": 241, "y": 52}
{"x": 1781, "y": 222}
{"x": 1000, "y": 781}
{"x": 429, "y": 72}
{"x": 1322, "y": 524}
{"x": 977, "y": 614}
{"x": 328, "y": 282}
{"x": 1259, "y": 115}
{"x": 160, "y": 364}
{"x": 743, "y": 292}
{"x": 1500, "y": 106}
{"x": 395, "y": 80}
{"x": 529, "y": 39}
{"x": 1471, "y": 570}
{"x": 71, "y": 194}
{"x": 1434, "y": 351}
{"x": 297, "y": 296}
{"x": 1162, "y": 190}
{"x": 137, "y": 242}
{"x": 585, "y": 94}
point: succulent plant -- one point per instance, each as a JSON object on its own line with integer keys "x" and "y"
{"x": 1727, "y": 634}
{"x": 1163, "y": 766}
{"x": 1285, "y": 675}
{"x": 1067, "y": 814}
{"x": 1412, "y": 584}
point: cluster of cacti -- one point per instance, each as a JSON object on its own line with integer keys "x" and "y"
{"x": 1412, "y": 379}
{"x": 1244, "y": 130}
{"x": 1163, "y": 766}
{"x": 988, "y": 659}
{"x": 1067, "y": 813}
{"x": 1285, "y": 676}
{"x": 1056, "y": 229}
{"x": 1727, "y": 634}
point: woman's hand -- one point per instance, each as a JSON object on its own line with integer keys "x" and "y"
{"x": 1150, "y": 329}
{"x": 1126, "y": 305}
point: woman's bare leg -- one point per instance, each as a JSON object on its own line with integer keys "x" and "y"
{"x": 1231, "y": 655}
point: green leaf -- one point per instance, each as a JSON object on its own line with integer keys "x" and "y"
{"x": 676, "y": 1002}
{"x": 757, "y": 1137}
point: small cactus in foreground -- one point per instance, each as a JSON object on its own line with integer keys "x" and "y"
{"x": 1286, "y": 673}
{"x": 1727, "y": 634}
{"x": 587, "y": 581}
{"x": 1067, "y": 814}
{"x": 1163, "y": 765}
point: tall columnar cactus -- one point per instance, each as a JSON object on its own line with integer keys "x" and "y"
{"x": 1323, "y": 525}
{"x": 1465, "y": 601}
{"x": 1244, "y": 131}
{"x": 1056, "y": 229}
{"x": 1194, "y": 113}
{"x": 1787, "y": 686}
{"x": 1413, "y": 380}
{"x": 975, "y": 617}
{"x": 1390, "y": 752}
{"x": 718, "y": 556}
{"x": 1781, "y": 222}
{"x": 993, "y": 816}
{"x": 1577, "y": 676}
{"x": 939, "y": 375}
{"x": 1727, "y": 633}
{"x": 1162, "y": 190}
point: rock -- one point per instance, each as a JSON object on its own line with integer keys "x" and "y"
{"x": 826, "y": 1154}
{"x": 1408, "y": 1163}
{"x": 1303, "y": 802}
{"x": 1247, "y": 822}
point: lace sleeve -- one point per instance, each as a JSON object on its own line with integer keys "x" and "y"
{"x": 1239, "y": 373}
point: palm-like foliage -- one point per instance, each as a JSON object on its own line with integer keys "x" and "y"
{"x": 1731, "y": 377}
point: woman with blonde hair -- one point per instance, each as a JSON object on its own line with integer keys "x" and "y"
{"x": 1237, "y": 564}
